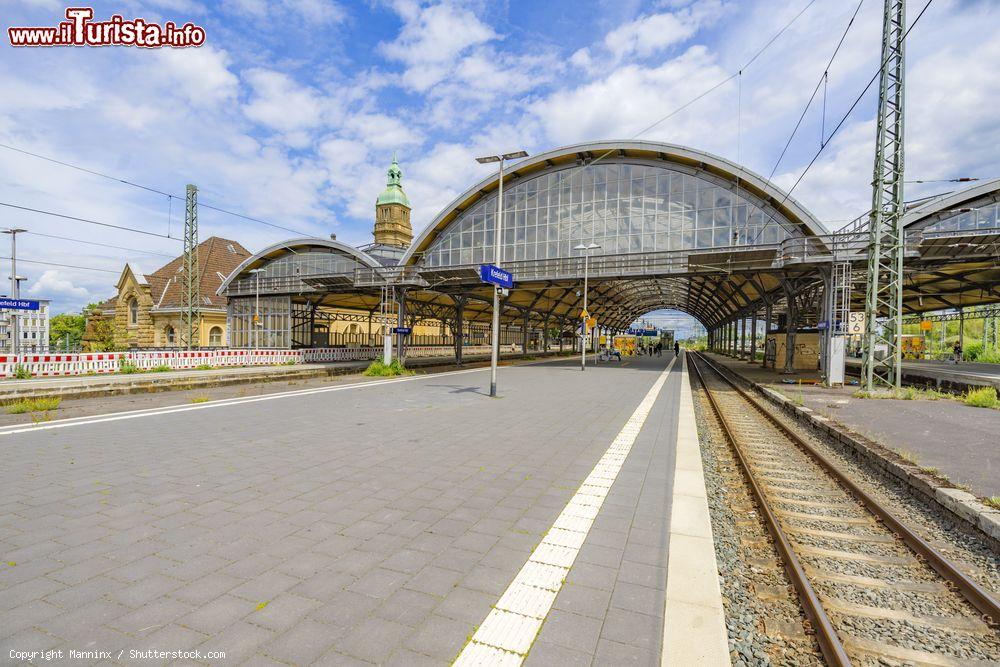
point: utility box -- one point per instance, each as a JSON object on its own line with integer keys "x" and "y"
{"x": 806, "y": 351}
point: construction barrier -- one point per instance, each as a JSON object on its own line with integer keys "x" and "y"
{"x": 96, "y": 363}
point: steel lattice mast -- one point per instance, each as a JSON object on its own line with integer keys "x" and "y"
{"x": 191, "y": 290}
{"x": 884, "y": 292}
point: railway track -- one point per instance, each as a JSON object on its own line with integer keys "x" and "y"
{"x": 874, "y": 592}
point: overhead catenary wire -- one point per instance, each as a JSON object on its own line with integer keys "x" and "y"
{"x": 147, "y": 188}
{"x": 819, "y": 84}
{"x": 88, "y": 221}
{"x": 65, "y": 266}
{"x": 96, "y": 243}
{"x": 843, "y": 119}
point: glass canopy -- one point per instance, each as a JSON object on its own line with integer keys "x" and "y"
{"x": 623, "y": 207}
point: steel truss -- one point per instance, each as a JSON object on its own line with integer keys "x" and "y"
{"x": 884, "y": 290}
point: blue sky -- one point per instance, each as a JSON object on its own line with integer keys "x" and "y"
{"x": 293, "y": 108}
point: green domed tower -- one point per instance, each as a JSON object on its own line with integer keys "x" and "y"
{"x": 392, "y": 211}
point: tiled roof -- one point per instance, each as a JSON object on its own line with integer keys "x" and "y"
{"x": 217, "y": 258}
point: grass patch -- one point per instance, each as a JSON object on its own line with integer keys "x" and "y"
{"x": 126, "y": 366}
{"x": 290, "y": 362}
{"x": 33, "y": 405}
{"x": 378, "y": 369}
{"x": 162, "y": 368}
{"x": 907, "y": 456}
{"x": 22, "y": 372}
{"x": 199, "y": 399}
{"x": 984, "y": 397}
{"x": 904, "y": 394}
{"x": 203, "y": 367}
{"x": 992, "y": 501}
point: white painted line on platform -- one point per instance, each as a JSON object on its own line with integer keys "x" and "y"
{"x": 506, "y": 636}
{"x": 694, "y": 621}
{"x": 221, "y": 403}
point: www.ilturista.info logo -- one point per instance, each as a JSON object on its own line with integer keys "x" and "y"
{"x": 81, "y": 30}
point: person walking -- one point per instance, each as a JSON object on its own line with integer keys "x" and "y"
{"x": 677, "y": 349}
{"x": 957, "y": 351}
{"x": 659, "y": 349}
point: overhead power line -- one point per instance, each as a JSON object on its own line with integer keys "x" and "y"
{"x": 147, "y": 188}
{"x": 822, "y": 81}
{"x": 89, "y": 222}
{"x": 848, "y": 113}
{"x": 66, "y": 266}
{"x": 103, "y": 245}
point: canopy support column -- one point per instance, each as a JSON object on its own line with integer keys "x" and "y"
{"x": 790, "y": 321}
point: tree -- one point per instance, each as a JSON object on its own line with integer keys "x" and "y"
{"x": 67, "y": 329}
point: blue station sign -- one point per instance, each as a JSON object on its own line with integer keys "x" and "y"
{"x": 496, "y": 276}
{"x": 406, "y": 331}
{"x": 18, "y": 304}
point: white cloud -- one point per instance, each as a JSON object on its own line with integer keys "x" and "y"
{"x": 432, "y": 39}
{"x": 52, "y": 285}
{"x": 278, "y": 102}
{"x": 649, "y": 34}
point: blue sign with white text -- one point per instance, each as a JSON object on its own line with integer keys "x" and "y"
{"x": 406, "y": 331}
{"x": 19, "y": 304}
{"x": 496, "y": 276}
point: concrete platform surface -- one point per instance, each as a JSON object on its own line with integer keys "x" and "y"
{"x": 373, "y": 522}
{"x": 961, "y": 442}
{"x": 944, "y": 374}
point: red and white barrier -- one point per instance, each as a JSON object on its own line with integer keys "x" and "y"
{"x": 96, "y": 363}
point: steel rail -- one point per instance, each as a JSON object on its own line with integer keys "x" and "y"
{"x": 976, "y": 595}
{"x": 829, "y": 641}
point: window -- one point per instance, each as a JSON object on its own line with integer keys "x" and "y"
{"x": 215, "y": 336}
{"x": 133, "y": 312}
{"x": 168, "y": 333}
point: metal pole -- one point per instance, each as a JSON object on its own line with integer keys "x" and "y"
{"x": 256, "y": 313}
{"x": 15, "y": 344}
{"x": 583, "y": 326}
{"x": 497, "y": 230}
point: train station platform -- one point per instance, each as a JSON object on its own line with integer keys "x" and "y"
{"x": 405, "y": 521}
{"x": 87, "y": 386}
{"x": 956, "y": 440}
{"x": 943, "y": 374}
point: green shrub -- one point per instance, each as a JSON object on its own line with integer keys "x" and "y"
{"x": 378, "y": 369}
{"x": 984, "y": 397}
{"x": 126, "y": 366}
{"x": 973, "y": 351}
{"x": 162, "y": 368}
{"x": 203, "y": 367}
{"x": 33, "y": 405}
{"x": 989, "y": 357}
{"x": 22, "y": 372}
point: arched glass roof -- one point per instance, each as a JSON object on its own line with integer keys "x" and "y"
{"x": 625, "y": 196}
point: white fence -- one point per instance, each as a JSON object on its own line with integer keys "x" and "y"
{"x": 91, "y": 363}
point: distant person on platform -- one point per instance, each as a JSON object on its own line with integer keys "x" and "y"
{"x": 659, "y": 349}
{"x": 957, "y": 350}
{"x": 677, "y": 349}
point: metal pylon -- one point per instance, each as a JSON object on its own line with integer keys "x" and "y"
{"x": 884, "y": 292}
{"x": 191, "y": 289}
{"x": 991, "y": 333}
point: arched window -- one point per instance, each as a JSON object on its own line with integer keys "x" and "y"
{"x": 169, "y": 334}
{"x": 133, "y": 312}
{"x": 215, "y": 336}
{"x": 353, "y": 329}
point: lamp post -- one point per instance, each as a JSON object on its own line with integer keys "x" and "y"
{"x": 585, "y": 249}
{"x": 256, "y": 309}
{"x": 14, "y": 292}
{"x": 497, "y": 258}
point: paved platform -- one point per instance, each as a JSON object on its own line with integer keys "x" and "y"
{"x": 943, "y": 374}
{"x": 958, "y": 440}
{"x": 85, "y": 386}
{"x": 368, "y": 523}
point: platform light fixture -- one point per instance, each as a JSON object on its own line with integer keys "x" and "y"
{"x": 585, "y": 249}
{"x": 497, "y": 258}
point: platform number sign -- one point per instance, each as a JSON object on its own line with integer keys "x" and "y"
{"x": 855, "y": 323}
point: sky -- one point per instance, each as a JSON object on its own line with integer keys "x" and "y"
{"x": 291, "y": 111}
